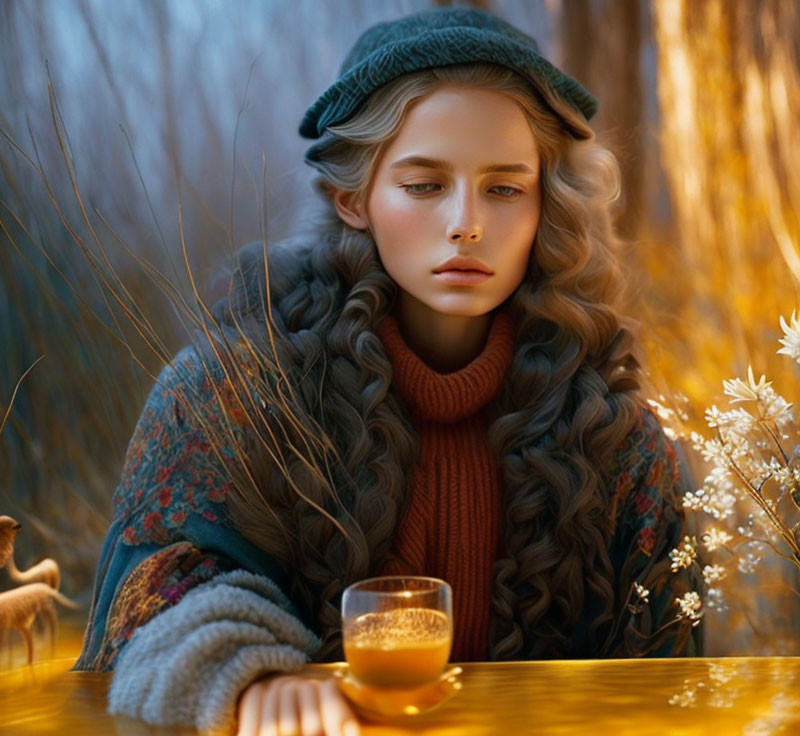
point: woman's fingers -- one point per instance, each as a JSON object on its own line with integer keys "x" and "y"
{"x": 249, "y": 710}
{"x": 269, "y": 708}
{"x": 337, "y": 718}
{"x": 308, "y": 699}
{"x": 294, "y": 706}
{"x": 288, "y": 721}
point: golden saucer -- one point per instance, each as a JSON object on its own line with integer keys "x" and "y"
{"x": 381, "y": 704}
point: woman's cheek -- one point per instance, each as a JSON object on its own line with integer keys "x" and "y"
{"x": 401, "y": 220}
{"x": 397, "y": 208}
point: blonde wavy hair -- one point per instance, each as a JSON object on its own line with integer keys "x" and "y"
{"x": 322, "y": 485}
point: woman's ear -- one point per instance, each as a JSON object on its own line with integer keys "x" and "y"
{"x": 349, "y": 210}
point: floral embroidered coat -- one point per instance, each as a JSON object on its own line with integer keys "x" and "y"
{"x": 170, "y": 535}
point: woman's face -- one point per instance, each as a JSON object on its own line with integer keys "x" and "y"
{"x": 461, "y": 179}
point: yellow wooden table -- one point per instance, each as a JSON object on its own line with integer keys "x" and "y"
{"x": 714, "y": 697}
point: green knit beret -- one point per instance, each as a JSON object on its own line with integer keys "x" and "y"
{"x": 436, "y": 37}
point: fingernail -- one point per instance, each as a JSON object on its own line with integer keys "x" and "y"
{"x": 350, "y": 728}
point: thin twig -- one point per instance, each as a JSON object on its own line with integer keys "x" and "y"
{"x": 14, "y": 394}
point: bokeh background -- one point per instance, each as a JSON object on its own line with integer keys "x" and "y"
{"x": 142, "y": 136}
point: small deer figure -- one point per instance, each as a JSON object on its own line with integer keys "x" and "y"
{"x": 45, "y": 571}
{"x": 20, "y": 606}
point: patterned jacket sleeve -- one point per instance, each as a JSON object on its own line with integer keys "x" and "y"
{"x": 185, "y": 610}
{"x": 650, "y": 522}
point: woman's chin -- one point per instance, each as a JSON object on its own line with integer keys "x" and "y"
{"x": 463, "y": 310}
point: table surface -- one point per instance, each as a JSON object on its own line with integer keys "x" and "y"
{"x": 738, "y": 695}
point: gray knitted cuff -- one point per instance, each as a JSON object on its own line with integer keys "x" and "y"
{"x": 188, "y": 665}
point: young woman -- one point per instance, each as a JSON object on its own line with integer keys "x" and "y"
{"x": 434, "y": 379}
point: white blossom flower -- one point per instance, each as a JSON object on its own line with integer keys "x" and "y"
{"x": 720, "y": 478}
{"x": 684, "y": 555}
{"x": 720, "y": 505}
{"x": 713, "y": 416}
{"x": 642, "y": 596}
{"x": 771, "y": 406}
{"x": 715, "y": 538}
{"x": 750, "y": 391}
{"x": 749, "y": 528}
{"x": 713, "y": 573}
{"x": 739, "y": 450}
{"x": 661, "y": 410}
{"x": 690, "y": 607}
{"x": 739, "y": 420}
{"x": 785, "y": 475}
{"x": 716, "y": 452}
{"x": 717, "y": 497}
{"x": 715, "y": 599}
{"x": 791, "y": 338}
{"x": 778, "y": 410}
{"x": 695, "y": 500}
{"x": 748, "y": 563}
{"x": 697, "y": 440}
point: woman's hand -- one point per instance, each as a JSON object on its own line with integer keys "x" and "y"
{"x": 295, "y": 706}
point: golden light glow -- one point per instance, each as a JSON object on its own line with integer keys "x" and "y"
{"x": 729, "y": 98}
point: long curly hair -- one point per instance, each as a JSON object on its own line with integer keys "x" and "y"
{"x": 322, "y": 481}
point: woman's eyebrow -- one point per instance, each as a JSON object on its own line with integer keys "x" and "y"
{"x": 432, "y": 163}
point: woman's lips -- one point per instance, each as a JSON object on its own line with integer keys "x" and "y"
{"x": 463, "y": 278}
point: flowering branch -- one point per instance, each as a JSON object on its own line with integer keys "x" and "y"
{"x": 750, "y": 462}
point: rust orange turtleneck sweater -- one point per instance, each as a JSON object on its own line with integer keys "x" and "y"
{"x": 451, "y": 529}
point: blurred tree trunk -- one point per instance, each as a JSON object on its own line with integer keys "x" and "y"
{"x": 729, "y": 93}
{"x": 608, "y": 64}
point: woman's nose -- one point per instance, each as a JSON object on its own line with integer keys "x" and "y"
{"x": 459, "y": 233}
{"x": 466, "y": 223}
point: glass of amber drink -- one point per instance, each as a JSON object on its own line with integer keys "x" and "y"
{"x": 397, "y": 631}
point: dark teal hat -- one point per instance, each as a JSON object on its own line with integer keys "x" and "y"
{"x": 437, "y": 37}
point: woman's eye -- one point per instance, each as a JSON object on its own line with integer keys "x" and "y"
{"x": 506, "y": 191}
{"x": 418, "y": 188}
{"x": 511, "y": 192}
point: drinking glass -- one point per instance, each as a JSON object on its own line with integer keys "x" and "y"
{"x": 397, "y": 631}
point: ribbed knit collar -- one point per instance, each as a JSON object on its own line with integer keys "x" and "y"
{"x": 449, "y": 397}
